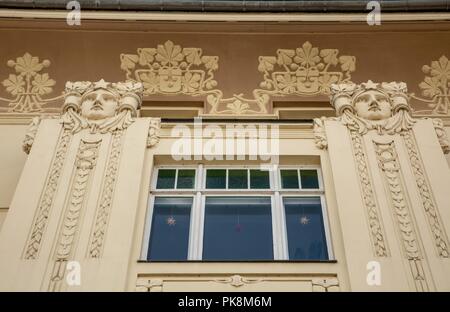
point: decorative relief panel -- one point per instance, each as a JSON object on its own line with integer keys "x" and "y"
{"x": 390, "y": 167}
{"x": 85, "y": 163}
{"x": 106, "y": 197}
{"x": 29, "y": 86}
{"x": 435, "y": 87}
{"x": 305, "y": 70}
{"x": 42, "y": 212}
{"x": 384, "y": 109}
{"x": 267, "y": 282}
{"x": 171, "y": 69}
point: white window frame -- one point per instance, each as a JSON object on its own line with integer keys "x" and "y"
{"x": 227, "y": 168}
{"x": 176, "y": 168}
{"x": 324, "y": 217}
{"x": 272, "y": 207}
{"x": 149, "y": 219}
{"x": 298, "y": 168}
{"x": 200, "y": 192}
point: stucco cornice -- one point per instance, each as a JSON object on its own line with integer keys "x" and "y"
{"x": 217, "y": 17}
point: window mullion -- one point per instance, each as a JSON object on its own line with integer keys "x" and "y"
{"x": 277, "y": 253}
{"x": 196, "y": 211}
{"x": 200, "y": 228}
{"x": 176, "y": 179}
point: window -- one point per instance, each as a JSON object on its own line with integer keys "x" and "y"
{"x": 171, "y": 218}
{"x": 181, "y": 178}
{"x": 236, "y": 214}
{"x": 237, "y": 228}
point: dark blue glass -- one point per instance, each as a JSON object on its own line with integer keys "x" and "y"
{"x": 289, "y": 179}
{"x": 237, "y": 179}
{"x": 259, "y": 179}
{"x": 309, "y": 179}
{"x": 169, "y": 237}
{"x": 186, "y": 179}
{"x": 305, "y": 228}
{"x": 238, "y": 228}
{"x": 166, "y": 179}
{"x": 216, "y": 178}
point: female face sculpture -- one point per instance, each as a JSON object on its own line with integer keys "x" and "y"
{"x": 99, "y": 104}
{"x": 373, "y": 105}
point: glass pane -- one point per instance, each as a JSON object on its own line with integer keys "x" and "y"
{"x": 169, "y": 236}
{"x": 186, "y": 179}
{"x": 289, "y": 179}
{"x": 238, "y": 228}
{"x": 309, "y": 179}
{"x": 166, "y": 179}
{"x": 305, "y": 229}
{"x": 259, "y": 179}
{"x": 237, "y": 179}
{"x": 216, "y": 178}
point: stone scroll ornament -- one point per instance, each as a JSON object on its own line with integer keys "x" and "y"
{"x": 384, "y": 108}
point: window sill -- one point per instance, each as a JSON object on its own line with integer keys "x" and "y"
{"x": 237, "y": 261}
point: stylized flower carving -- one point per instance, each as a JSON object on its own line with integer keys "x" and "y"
{"x": 14, "y": 84}
{"x": 150, "y": 82}
{"x": 238, "y": 107}
{"x": 307, "y": 55}
{"x": 286, "y": 82}
{"x": 326, "y": 80}
{"x": 169, "y": 54}
{"x": 439, "y": 69}
{"x": 42, "y": 84}
{"x": 430, "y": 86}
{"x": 436, "y": 86}
{"x": 28, "y": 85}
{"x": 306, "y": 70}
{"x": 28, "y": 65}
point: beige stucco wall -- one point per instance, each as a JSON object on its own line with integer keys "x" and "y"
{"x": 12, "y": 160}
{"x": 396, "y": 51}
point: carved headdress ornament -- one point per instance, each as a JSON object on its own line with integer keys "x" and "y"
{"x": 129, "y": 94}
{"x": 345, "y": 96}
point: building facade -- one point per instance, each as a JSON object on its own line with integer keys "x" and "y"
{"x": 168, "y": 151}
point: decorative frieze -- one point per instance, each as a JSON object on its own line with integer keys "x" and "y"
{"x": 169, "y": 69}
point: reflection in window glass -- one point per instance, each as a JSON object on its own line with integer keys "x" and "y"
{"x": 309, "y": 179}
{"x": 166, "y": 179}
{"x": 186, "y": 179}
{"x": 305, "y": 228}
{"x": 216, "y": 178}
{"x": 259, "y": 179}
{"x": 169, "y": 236}
{"x": 238, "y": 228}
{"x": 289, "y": 179}
{"x": 237, "y": 179}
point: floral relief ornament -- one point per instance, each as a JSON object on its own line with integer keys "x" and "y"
{"x": 28, "y": 85}
{"x": 170, "y": 69}
{"x": 435, "y": 87}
